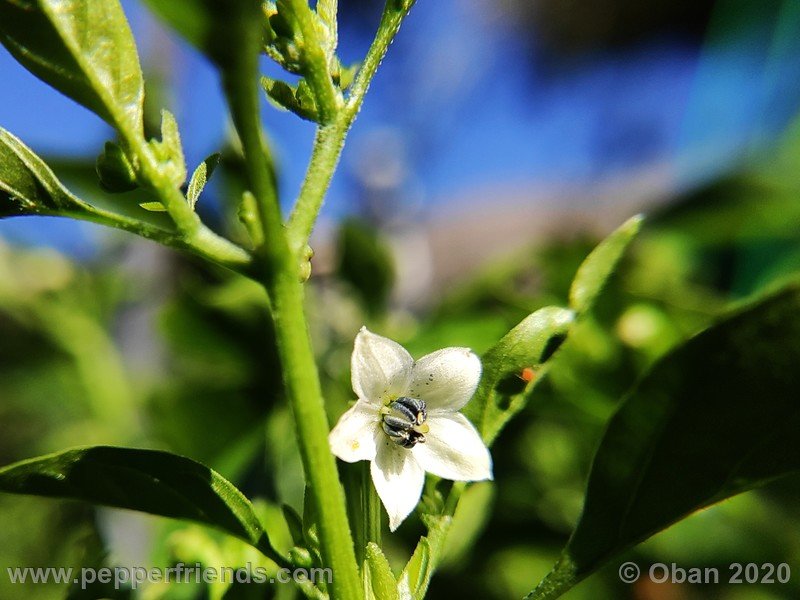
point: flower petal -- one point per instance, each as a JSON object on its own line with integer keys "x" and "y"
{"x": 453, "y": 449}
{"x": 445, "y": 379}
{"x": 380, "y": 367}
{"x": 399, "y": 479}
{"x": 353, "y": 437}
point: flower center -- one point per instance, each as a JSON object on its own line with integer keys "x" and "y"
{"x": 404, "y": 421}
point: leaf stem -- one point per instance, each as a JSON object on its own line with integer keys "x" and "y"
{"x": 330, "y": 137}
{"x": 372, "y": 507}
{"x": 204, "y": 243}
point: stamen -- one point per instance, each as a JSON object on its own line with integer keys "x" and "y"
{"x": 404, "y": 421}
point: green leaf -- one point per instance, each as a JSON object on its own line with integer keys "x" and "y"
{"x": 84, "y": 49}
{"x": 200, "y": 177}
{"x": 717, "y": 416}
{"x": 153, "y": 206}
{"x": 149, "y": 481}
{"x": 381, "y": 582}
{"x": 503, "y": 389}
{"x": 299, "y": 99}
{"x": 212, "y": 26}
{"x": 27, "y": 185}
{"x": 281, "y": 42}
{"x": 600, "y": 264}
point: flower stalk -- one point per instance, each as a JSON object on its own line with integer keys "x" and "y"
{"x": 331, "y": 135}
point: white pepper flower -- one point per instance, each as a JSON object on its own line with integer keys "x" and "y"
{"x": 406, "y": 420}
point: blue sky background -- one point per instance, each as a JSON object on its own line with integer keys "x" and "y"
{"x": 460, "y": 104}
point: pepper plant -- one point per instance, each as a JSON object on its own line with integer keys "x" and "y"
{"x": 714, "y": 417}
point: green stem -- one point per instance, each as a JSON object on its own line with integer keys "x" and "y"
{"x": 364, "y": 507}
{"x": 330, "y": 137}
{"x": 372, "y": 507}
{"x": 328, "y": 144}
{"x": 281, "y": 277}
{"x": 453, "y": 497}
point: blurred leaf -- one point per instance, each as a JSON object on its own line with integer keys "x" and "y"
{"x": 748, "y": 206}
{"x": 213, "y": 26}
{"x": 472, "y": 513}
{"x": 150, "y": 481}
{"x": 513, "y": 365}
{"x": 717, "y": 416}
{"x": 382, "y": 585}
{"x": 600, "y": 264}
{"x": 27, "y": 185}
{"x": 83, "y": 48}
{"x": 365, "y": 262}
{"x": 200, "y": 177}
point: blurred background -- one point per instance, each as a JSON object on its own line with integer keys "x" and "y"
{"x": 499, "y": 142}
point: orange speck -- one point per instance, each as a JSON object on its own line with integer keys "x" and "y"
{"x": 527, "y": 375}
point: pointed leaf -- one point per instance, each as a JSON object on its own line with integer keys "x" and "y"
{"x": 200, "y": 177}
{"x": 381, "y": 580}
{"x": 153, "y": 206}
{"x": 415, "y": 577}
{"x": 150, "y": 481}
{"x": 27, "y": 185}
{"x": 600, "y": 264}
{"x": 84, "y": 49}
{"x": 502, "y": 389}
{"x": 717, "y": 416}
